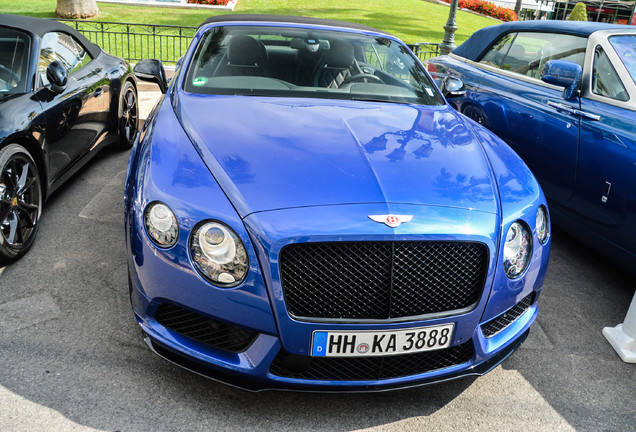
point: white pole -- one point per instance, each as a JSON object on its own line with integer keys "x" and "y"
{"x": 623, "y": 336}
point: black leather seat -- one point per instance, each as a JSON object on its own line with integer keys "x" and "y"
{"x": 337, "y": 65}
{"x": 246, "y": 57}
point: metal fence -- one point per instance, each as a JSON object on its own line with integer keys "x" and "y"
{"x": 425, "y": 50}
{"x": 135, "y": 42}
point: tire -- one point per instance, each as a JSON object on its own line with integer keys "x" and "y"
{"x": 128, "y": 120}
{"x": 476, "y": 113}
{"x": 20, "y": 202}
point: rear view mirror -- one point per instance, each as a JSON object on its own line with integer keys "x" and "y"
{"x": 57, "y": 75}
{"x": 452, "y": 87}
{"x": 152, "y": 70}
{"x": 563, "y": 74}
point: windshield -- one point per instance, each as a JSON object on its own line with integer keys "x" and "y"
{"x": 625, "y": 47}
{"x": 14, "y": 50}
{"x": 297, "y": 62}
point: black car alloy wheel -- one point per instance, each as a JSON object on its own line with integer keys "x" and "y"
{"x": 20, "y": 201}
{"x": 128, "y": 115}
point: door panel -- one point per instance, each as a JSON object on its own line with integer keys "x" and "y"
{"x": 544, "y": 136}
{"x": 77, "y": 117}
{"x": 606, "y": 190}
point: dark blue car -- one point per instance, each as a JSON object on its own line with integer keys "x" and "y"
{"x": 305, "y": 211}
{"x": 563, "y": 95}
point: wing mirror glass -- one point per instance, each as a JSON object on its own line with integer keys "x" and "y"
{"x": 152, "y": 70}
{"x": 452, "y": 87}
{"x": 563, "y": 74}
{"x": 57, "y": 75}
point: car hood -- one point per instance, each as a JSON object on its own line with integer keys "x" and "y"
{"x": 278, "y": 153}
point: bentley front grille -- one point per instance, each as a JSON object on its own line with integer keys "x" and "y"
{"x": 381, "y": 280}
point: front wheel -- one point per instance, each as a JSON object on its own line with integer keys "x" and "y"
{"x": 20, "y": 202}
{"x": 128, "y": 115}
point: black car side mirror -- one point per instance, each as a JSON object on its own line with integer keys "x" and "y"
{"x": 563, "y": 74}
{"x": 452, "y": 87}
{"x": 152, "y": 70}
{"x": 57, "y": 75}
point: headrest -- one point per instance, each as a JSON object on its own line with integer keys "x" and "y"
{"x": 244, "y": 51}
{"x": 340, "y": 55}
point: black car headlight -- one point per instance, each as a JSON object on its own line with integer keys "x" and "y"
{"x": 161, "y": 224}
{"x": 218, "y": 254}
{"x": 517, "y": 249}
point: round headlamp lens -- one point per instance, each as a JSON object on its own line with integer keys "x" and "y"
{"x": 517, "y": 249}
{"x": 161, "y": 224}
{"x": 542, "y": 224}
{"x": 219, "y": 254}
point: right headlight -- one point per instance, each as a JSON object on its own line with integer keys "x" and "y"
{"x": 517, "y": 249}
{"x": 542, "y": 224}
{"x": 161, "y": 224}
{"x": 219, "y": 254}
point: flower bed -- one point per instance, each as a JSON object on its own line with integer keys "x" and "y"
{"x": 210, "y": 2}
{"x": 489, "y": 9}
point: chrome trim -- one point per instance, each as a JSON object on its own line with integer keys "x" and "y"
{"x": 425, "y": 317}
{"x": 574, "y": 111}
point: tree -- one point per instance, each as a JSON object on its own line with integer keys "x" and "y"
{"x": 518, "y": 7}
{"x": 579, "y": 13}
{"x": 76, "y": 9}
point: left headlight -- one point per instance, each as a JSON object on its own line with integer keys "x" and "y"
{"x": 517, "y": 249}
{"x": 219, "y": 254}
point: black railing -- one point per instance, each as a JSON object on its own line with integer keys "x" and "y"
{"x": 134, "y": 42}
{"x": 425, "y": 50}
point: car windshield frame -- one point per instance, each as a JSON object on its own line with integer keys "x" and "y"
{"x": 287, "y": 60}
{"x": 14, "y": 61}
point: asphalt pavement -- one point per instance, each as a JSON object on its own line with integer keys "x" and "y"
{"x": 72, "y": 357}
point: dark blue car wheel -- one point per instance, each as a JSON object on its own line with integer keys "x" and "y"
{"x": 475, "y": 112}
{"x": 20, "y": 202}
{"x": 128, "y": 115}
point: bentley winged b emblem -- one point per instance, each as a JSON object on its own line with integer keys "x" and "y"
{"x": 391, "y": 220}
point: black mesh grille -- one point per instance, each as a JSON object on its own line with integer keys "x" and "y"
{"x": 493, "y": 327}
{"x": 368, "y": 368}
{"x": 205, "y": 330}
{"x": 381, "y": 280}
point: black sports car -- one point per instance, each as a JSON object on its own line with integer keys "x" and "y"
{"x": 61, "y": 100}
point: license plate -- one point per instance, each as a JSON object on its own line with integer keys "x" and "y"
{"x": 380, "y": 343}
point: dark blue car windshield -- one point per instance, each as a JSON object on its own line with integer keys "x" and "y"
{"x": 298, "y": 62}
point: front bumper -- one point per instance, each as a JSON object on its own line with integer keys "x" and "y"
{"x": 263, "y": 364}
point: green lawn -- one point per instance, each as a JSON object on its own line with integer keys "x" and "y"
{"x": 410, "y": 20}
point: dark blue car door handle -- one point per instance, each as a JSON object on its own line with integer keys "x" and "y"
{"x": 576, "y": 112}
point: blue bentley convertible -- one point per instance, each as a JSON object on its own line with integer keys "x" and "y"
{"x": 562, "y": 94}
{"x": 305, "y": 211}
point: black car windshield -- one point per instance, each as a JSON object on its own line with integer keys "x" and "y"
{"x": 300, "y": 62}
{"x": 14, "y": 53}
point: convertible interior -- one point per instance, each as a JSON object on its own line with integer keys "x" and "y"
{"x": 295, "y": 62}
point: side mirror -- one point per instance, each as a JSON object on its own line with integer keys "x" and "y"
{"x": 57, "y": 75}
{"x": 152, "y": 70}
{"x": 452, "y": 87}
{"x": 563, "y": 74}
